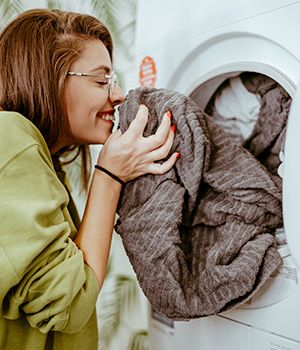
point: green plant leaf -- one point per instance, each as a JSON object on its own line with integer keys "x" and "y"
{"x": 9, "y": 9}
{"x": 117, "y": 296}
{"x": 119, "y": 16}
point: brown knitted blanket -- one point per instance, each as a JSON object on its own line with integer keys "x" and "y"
{"x": 200, "y": 236}
{"x": 267, "y": 138}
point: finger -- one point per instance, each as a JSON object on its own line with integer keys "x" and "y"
{"x": 137, "y": 126}
{"x": 162, "y": 151}
{"x": 162, "y": 132}
{"x": 156, "y": 168}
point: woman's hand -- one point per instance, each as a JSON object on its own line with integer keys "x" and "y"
{"x": 130, "y": 155}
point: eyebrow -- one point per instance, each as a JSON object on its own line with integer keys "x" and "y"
{"x": 102, "y": 67}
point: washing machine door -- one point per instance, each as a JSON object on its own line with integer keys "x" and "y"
{"x": 291, "y": 180}
{"x": 215, "y": 57}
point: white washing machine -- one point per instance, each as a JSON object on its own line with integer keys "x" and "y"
{"x": 192, "y": 46}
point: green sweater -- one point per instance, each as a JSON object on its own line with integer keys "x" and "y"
{"x": 47, "y": 293}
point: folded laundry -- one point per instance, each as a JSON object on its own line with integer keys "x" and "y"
{"x": 200, "y": 237}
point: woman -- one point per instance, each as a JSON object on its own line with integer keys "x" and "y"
{"x": 57, "y": 90}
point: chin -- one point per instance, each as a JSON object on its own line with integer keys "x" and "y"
{"x": 102, "y": 140}
{"x": 97, "y": 138}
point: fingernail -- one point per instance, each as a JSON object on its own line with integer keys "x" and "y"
{"x": 173, "y": 128}
{"x": 168, "y": 114}
{"x": 177, "y": 155}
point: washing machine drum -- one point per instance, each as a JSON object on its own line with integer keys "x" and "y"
{"x": 200, "y": 237}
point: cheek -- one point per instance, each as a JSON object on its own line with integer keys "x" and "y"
{"x": 95, "y": 94}
{"x": 83, "y": 101}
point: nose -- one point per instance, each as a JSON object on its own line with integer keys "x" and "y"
{"x": 116, "y": 95}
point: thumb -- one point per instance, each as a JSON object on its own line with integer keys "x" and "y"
{"x": 137, "y": 126}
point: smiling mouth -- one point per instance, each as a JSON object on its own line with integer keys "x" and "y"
{"x": 107, "y": 117}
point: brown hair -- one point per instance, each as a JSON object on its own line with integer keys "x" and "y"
{"x": 36, "y": 50}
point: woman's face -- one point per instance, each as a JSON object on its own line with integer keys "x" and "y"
{"x": 88, "y": 103}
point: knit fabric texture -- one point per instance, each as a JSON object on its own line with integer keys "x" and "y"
{"x": 200, "y": 237}
{"x": 267, "y": 138}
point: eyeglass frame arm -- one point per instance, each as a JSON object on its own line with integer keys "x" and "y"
{"x": 81, "y": 74}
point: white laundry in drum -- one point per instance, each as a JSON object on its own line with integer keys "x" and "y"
{"x": 236, "y": 109}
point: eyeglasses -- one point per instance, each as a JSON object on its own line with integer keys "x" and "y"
{"x": 107, "y": 81}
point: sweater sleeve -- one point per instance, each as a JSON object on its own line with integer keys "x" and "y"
{"x": 43, "y": 274}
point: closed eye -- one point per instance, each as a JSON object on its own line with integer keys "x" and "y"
{"x": 102, "y": 83}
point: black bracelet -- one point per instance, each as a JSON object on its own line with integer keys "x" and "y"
{"x": 110, "y": 174}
